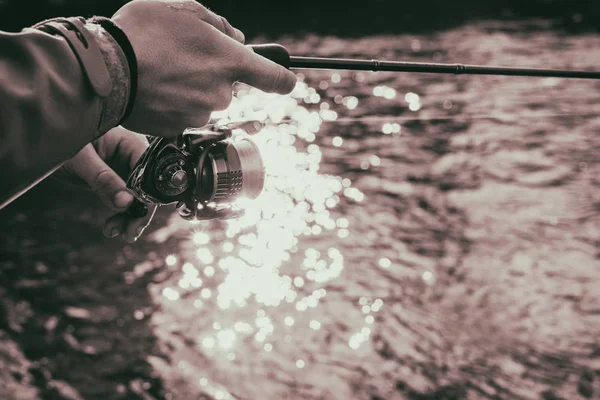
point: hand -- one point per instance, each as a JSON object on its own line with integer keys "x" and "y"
{"x": 101, "y": 166}
{"x": 188, "y": 58}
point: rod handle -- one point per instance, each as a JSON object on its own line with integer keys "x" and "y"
{"x": 274, "y": 52}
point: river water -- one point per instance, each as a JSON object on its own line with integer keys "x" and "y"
{"x": 420, "y": 237}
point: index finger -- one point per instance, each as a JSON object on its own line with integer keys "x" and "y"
{"x": 224, "y": 26}
{"x": 132, "y": 146}
{"x": 264, "y": 74}
{"x": 209, "y": 17}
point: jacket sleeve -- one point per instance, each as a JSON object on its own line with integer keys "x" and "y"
{"x": 49, "y": 110}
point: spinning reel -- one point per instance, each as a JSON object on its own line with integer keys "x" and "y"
{"x": 201, "y": 171}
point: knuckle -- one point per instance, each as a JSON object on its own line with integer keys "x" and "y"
{"x": 202, "y": 119}
{"x": 223, "y": 100}
{"x": 243, "y": 64}
{"x": 177, "y": 129}
{"x": 277, "y": 80}
{"x": 101, "y": 180}
{"x": 198, "y": 120}
{"x": 234, "y": 61}
{"x": 226, "y": 27}
{"x": 166, "y": 130}
{"x": 178, "y": 121}
{"x": 288, "y": 80}
{"x": 240, "y": 36}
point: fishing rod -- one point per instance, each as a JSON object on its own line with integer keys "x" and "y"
{"x": 202, "y": 171}
{"x": 280, "y": 55}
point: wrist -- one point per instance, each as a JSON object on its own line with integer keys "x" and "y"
{"x": 104, "y": 63}
{"x": 119, "y": 37}
{"x": 114, "y": 105}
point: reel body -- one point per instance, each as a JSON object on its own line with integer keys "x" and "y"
{"x": 202, "y": 171}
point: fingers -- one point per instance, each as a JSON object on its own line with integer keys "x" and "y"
{"x": 129, "y": 227}
{"x": 114, "y": 226}
{"x": 155, "y": 124}
{"x": 264, "y": 74}
{"x": 257, "y": 71}
{"x": 102, "y": 179}
{"x": 223, "y": 100}
{"x": 131, "y": 146}
{"x": 110, "y": 187}
{"x": 224, "y": 26}
{"x": 209, "y": 17}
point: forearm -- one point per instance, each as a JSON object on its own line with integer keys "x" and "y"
{"x": 49, "y": 109}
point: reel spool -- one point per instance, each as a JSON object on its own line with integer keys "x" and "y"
{"x": 202, "y": 171}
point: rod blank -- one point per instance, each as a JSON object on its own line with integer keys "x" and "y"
{"x": 436, "y": 68}
{"x": 281, "y": 56}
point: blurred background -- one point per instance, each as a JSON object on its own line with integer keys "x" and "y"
{"x": 350, "y": 17}
{"x": 419, "y": 237}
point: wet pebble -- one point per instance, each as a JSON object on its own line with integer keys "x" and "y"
{"x": 590, "y": 303}
{"x": 140, "y": 388}
{"x": 78, "y": 313}
{"x": 97, "y": 345}
{"x": 34, "y": 283}
{"x": 549, "y": 395}
{"x": 558, "y": 175}
{"x": 95, "y": 314}
{"x": 17, "y": 312}
{"x": 585, "y": 389}
{"x": 587, "y": 375}
{"x": 51, "y": 323}
{"x": 41, "y": 267}
{"x": 63, "y": 390}
{"x": 458, "y": 170}
{"x": 15, "y": 379}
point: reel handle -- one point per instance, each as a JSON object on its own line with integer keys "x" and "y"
{"x": 274, "y": 52}
{"x": 137, "y": 209}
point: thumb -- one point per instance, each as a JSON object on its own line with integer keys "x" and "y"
{"x": 102, "y": 179}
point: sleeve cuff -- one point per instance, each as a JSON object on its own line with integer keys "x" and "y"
{"x": 108, "y": 60}
{"x": 113, "y": 106}
{"x": 124, "y": 44}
